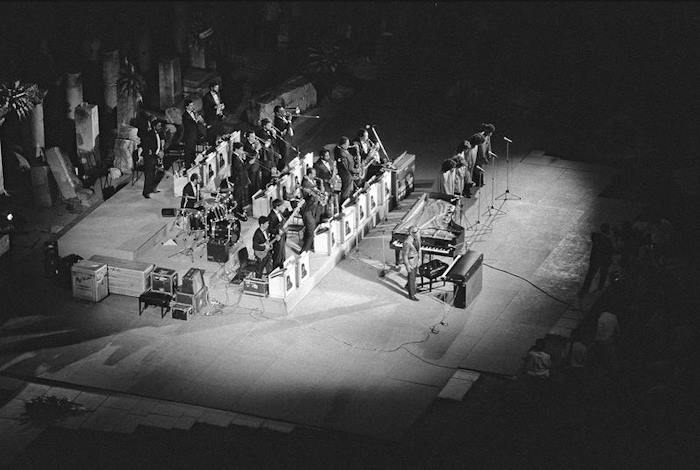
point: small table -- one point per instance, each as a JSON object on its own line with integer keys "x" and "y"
{"x": 155, "y": 299}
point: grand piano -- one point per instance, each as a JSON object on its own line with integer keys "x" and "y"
{"x": 434, "y": 214}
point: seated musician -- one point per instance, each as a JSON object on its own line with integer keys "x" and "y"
{"x": 325, "y": 171}
{"x": 312, "y": 208}
{"x": 277, "y": 220}
{"x": 190, "y": 193}
{"x": 262, "y": 247}
{"x": 252, "y": 148}
{"x": 347, "y": 169}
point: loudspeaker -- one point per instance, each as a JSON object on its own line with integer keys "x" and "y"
{"x": 168, "y": 212}
{"x": 217, "y": 252}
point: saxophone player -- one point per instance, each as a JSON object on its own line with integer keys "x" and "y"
{"x": 312, "y": 208}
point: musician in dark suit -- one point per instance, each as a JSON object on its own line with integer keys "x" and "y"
{"x": 324, "y": 172}
{"x": 262, "y": 247}
{"x": 191, "y": 132}
{"x": 213, "y": 110}
{"x": 190, "y": 192}
{"x": 253, "y": 150}
{"x": 347, "y": 169}
{"x": 283, "y": 122}
{"x": 483, "y": 153}
{"x": 410, "y": 255}
{"x": 150, "y": 143}
{"x": 277, "y": 220}
{"x": 311, "y": 213}
{"x": 239, "y": 173}
{"x": 270, "y": 156}
{"x": 477, "y": 176}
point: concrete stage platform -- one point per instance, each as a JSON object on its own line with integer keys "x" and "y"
{"x": 356, "y": 355}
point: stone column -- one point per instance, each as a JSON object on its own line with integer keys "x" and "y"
{"x": 197, "y": 56}
{"x": 180, "y": 28}
{"x": 110, "y": 74}
{"x": 87, "y": 133}
{"x": 143, "y": 48}
{"x": 169, "y": 82}
{"x": 37, "y": 125}
{"x": 74, "y": 92}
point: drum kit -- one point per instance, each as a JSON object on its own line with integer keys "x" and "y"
{"x": 217, "y": 217}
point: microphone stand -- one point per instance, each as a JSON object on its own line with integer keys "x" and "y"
{"x": 478, "y": 211}
{"x": 493, "y": 185}
{"x": 505, "y": 196}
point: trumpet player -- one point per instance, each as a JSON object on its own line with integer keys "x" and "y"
{"x": 311, "y": 213}
{"x": 283, "y": 123}
{"x": 269, "y": 136}
{"x": 252, "y": 148}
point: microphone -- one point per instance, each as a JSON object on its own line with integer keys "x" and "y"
{"x": 493, "y": 154}
{"x": 480, "y": 169}
{"x": 507, "y": 139}
{"x": 369, "y": 126}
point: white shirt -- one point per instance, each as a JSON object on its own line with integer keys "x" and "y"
{"x": 607, "y": 327}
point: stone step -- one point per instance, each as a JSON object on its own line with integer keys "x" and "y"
{"x": 459, "y": 384}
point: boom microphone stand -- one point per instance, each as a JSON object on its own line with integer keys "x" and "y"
{"x": 493, "y": 185}
{"x": 505, "y": 196}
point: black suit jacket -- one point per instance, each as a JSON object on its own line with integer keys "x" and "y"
{"x": 345, "y": 163}
{"x": 258, "y": 240}
{"x": 190, "y": 133}
{"x": 324, "y": 174}
{"x": 209, "y": 108}
{"x": 188, "y": 190}
{"x": 239, "y": 172}
{"x": 276, "y": 223}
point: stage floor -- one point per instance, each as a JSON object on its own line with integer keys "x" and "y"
{"x": 354, "y": 355}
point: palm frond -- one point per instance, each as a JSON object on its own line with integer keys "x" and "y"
{"x": 19, "y": 98}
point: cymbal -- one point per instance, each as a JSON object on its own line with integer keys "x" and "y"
{"x": 209, "y": 201}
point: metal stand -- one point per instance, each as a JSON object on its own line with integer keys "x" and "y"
{"x": 478, "y": 211}
{"x": 492, "y": 207}
{"x": 507, "y": 195}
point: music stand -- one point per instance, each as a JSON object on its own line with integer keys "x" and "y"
{"x": 507, "y": 195}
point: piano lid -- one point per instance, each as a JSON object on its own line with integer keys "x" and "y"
{"x": 434, "y": 217}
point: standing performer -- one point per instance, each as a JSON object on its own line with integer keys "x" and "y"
{"x": 213, "y": 110}
{"x": 312, "y": 208}
{"x": 150, "y": 143}
{"x": 410, "y": 254}
{"x": 262, "y": 247}
{"x": 239, "y": 173}
{"x": 325, "y": 170}
{"x": 252, "y": 148}
{"x": 462, "y": 176}
{"x": 277, "y": 220}
{"x": 470, "y": 156}
{"x": 347, "y": 169}
{"x": 446, "y": 179}
{"x": 267, "y": 133}
{"x": 283, "y": 122}
{"x": 190, "y": 134}
{"x": 370, "y": 157}
{"x": 483, "y": 154}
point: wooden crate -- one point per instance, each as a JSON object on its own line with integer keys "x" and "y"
{"x": 126, "y": 277}
{"x": 89, "y": 280}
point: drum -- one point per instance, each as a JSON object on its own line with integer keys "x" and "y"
{"x": 221, "y": 230}
{"x": 217, "y": 212}
{"x": 195, "y": 221}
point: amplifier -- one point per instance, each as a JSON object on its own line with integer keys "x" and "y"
{"x": 181, "y": 311}
{"x": 217, "y": 252}
{"x": 255, "y": 286}
{"x": 164, "y": 280}
{"x": 192, "y": 281}
{"x": 198, "y": 301}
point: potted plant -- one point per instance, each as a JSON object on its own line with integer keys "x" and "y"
{"x": 18, "y": 98}
{"x": 130, "y": 89}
